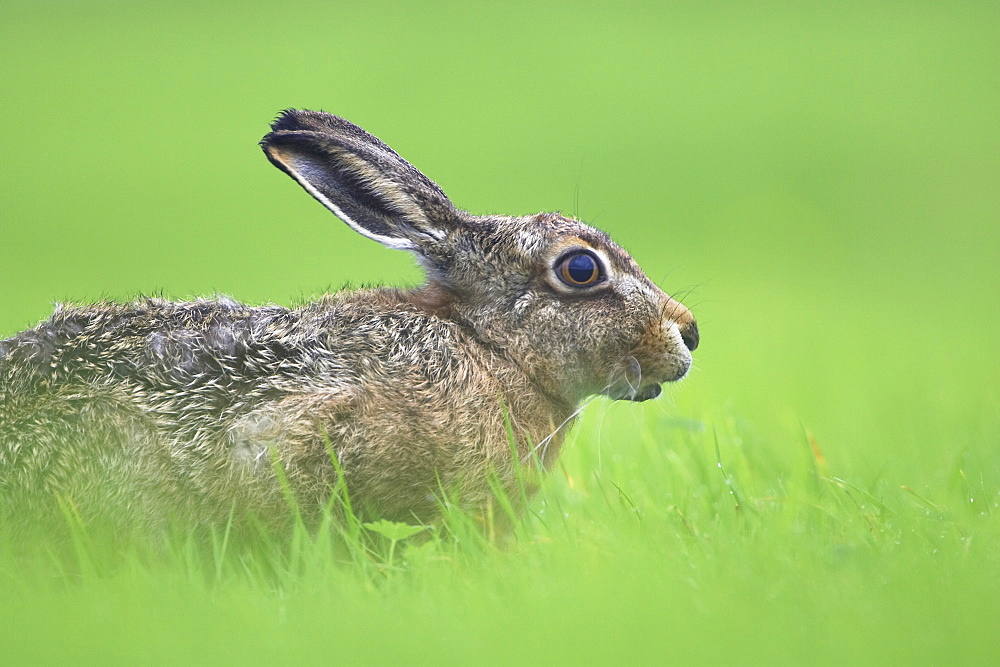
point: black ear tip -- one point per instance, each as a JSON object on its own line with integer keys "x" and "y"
{"x": 289, "y": 119}
{"x": 303, "y": 120}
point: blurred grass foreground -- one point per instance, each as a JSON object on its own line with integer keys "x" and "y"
{"x": 818, "y": 182}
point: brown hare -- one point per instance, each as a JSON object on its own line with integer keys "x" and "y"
{"x": 195, "y": 411}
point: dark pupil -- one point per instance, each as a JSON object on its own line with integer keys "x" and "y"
{"x": 581, "y": 268}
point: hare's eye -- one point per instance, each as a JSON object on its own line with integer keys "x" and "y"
{"x": 579, "y": 269}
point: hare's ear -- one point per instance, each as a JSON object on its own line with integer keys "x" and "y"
{"x": 360, "y": 179}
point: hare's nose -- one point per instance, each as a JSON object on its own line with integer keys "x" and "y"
{"x": 689, "y": 334}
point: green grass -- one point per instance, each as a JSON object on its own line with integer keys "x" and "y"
{"x": 639, "y": 553}
{"x": 818, "y": 182}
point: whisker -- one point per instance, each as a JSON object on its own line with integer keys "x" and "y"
{"x": 600, "y": 435}
{"x": 544, "y": 442}
{"x": 681, "y": 294}
{"x": 633, "y": 369}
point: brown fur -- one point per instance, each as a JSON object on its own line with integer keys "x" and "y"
{"x": 154, "y": 411}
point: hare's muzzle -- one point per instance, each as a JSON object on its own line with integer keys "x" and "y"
{"x": 663, "y": 356}
{"x": 689, "y": 334}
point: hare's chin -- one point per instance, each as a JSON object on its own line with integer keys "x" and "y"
{"x": 652, "y": 391}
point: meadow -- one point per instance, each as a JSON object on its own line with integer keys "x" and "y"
{"x": 818, "y": 182}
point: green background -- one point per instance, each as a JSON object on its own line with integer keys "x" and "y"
{"x": 819, "y": 182}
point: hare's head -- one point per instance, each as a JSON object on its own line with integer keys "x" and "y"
{"x": 554, "y": 295}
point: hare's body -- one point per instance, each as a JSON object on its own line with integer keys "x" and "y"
{"x": 197, "y": 411}
{"x": 181, "y": 406}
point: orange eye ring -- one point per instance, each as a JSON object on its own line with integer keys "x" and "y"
{"x": 579, "y": 269}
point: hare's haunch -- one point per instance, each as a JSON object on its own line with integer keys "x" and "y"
{"x": 154, "y": 409}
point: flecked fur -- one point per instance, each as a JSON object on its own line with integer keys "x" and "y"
{"x": 153, "y": 410}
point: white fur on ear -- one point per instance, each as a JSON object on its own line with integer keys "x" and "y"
{"x": 394, "y": 195}
{"x": 369, "y": 187}
{"x": 394, "y": 242}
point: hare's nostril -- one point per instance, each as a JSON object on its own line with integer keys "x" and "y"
{"x": 689, "y": 334}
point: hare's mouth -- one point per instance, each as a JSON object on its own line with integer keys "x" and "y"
{"x": 636, "y": 394}
{"x": 641, "y": 381}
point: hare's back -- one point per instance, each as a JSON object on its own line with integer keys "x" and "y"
{"x": 220, "y": 354}
{"x": 162, "y": 345}
{"x": 150, "y": 341}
